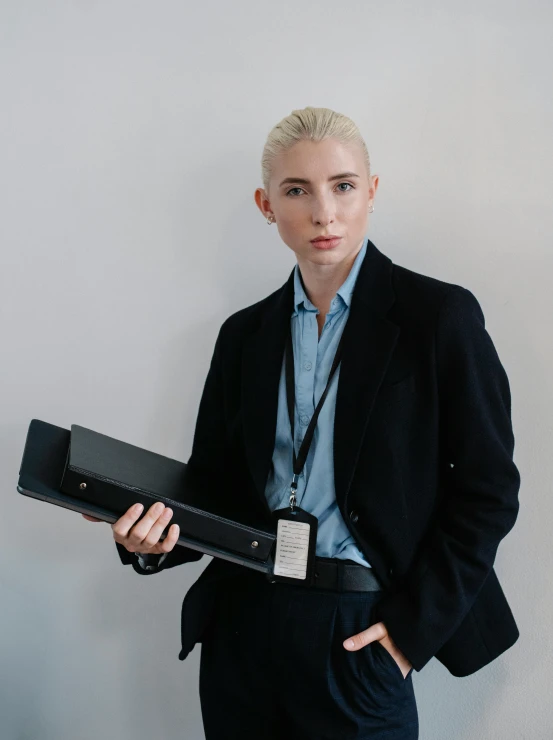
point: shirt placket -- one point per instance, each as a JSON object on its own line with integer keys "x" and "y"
{"x": 306, "y": 364}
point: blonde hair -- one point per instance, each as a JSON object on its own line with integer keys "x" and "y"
{"x": 313, "y": 124}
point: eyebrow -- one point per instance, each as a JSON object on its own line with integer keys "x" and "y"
{"x": 288, "y": 180}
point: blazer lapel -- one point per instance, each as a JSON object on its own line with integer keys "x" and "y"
{"x": 262, "y": 358}
{"x": 369, "y": 341}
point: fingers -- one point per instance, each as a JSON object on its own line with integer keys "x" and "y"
{"x": 170, "y": 540}
{"x": 143, "y": 536}
{"x": 122, "y": 526}
{"x": 151, "y": 532}
{"x": 92, "y": 518}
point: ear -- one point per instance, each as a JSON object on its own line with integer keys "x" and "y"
{"x": 262, "y": 202}
{"x": 373, "y": 186}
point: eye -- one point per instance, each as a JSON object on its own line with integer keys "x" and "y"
{"x": 341, "y": 183}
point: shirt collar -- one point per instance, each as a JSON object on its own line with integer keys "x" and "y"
{"x": 344, "y": 292}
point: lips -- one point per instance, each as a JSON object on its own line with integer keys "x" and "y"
{"x": 326, "y": 243}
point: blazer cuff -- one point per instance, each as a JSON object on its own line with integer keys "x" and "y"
{"x": 150, "y": 562}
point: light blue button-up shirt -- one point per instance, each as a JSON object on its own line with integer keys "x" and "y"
{"x": 313, "y": 357}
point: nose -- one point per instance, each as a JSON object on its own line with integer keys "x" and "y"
{"x": 323, "y": 212}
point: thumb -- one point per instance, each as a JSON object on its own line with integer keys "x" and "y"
{"x": 374, "y": 632}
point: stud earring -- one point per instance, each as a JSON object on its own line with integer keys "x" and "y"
{"x": 372, "y": 208}
{"x": 270, "y": 219}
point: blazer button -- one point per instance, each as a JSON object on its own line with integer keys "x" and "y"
{"x": 354, "y": 516}
{"x": 391, "y": 571}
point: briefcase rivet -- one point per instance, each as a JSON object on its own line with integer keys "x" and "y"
{"x": 255, "y": 543}
{"x": 83, "y": 485}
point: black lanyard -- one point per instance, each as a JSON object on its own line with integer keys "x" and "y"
{"x": 299, "y": 462}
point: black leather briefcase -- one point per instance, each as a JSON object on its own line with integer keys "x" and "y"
{"x": 98, "y": 475}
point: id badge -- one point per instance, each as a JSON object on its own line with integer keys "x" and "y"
{"x": 295, "y": 545}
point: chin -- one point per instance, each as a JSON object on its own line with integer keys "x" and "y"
{"x": 316, "y": 255}
{"x": 329, "y": 255}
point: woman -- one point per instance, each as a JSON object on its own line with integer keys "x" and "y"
{"x": 403, "y": 468}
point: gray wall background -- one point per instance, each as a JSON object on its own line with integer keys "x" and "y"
{"x": 130, "y": 142}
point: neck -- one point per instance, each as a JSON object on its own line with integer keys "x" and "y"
{"x": 321, "y": 282}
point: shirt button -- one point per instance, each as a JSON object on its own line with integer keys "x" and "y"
{"x": 308, "y": 365}
{"x": 305, "y": 419}
{"x": 354, "y": 516}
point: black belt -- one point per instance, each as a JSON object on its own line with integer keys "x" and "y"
{"x": 343, "y": 575}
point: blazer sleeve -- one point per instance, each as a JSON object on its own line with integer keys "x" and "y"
{"x": 208, "y": 448}
{"x": 478, "y": 502}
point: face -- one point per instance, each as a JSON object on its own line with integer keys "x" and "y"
{"x": 307, "y": 200}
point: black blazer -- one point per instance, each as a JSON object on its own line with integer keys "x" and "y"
{"x": 423, "y": 456}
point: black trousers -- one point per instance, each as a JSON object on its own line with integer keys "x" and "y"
{"x": 273, "y": 667}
